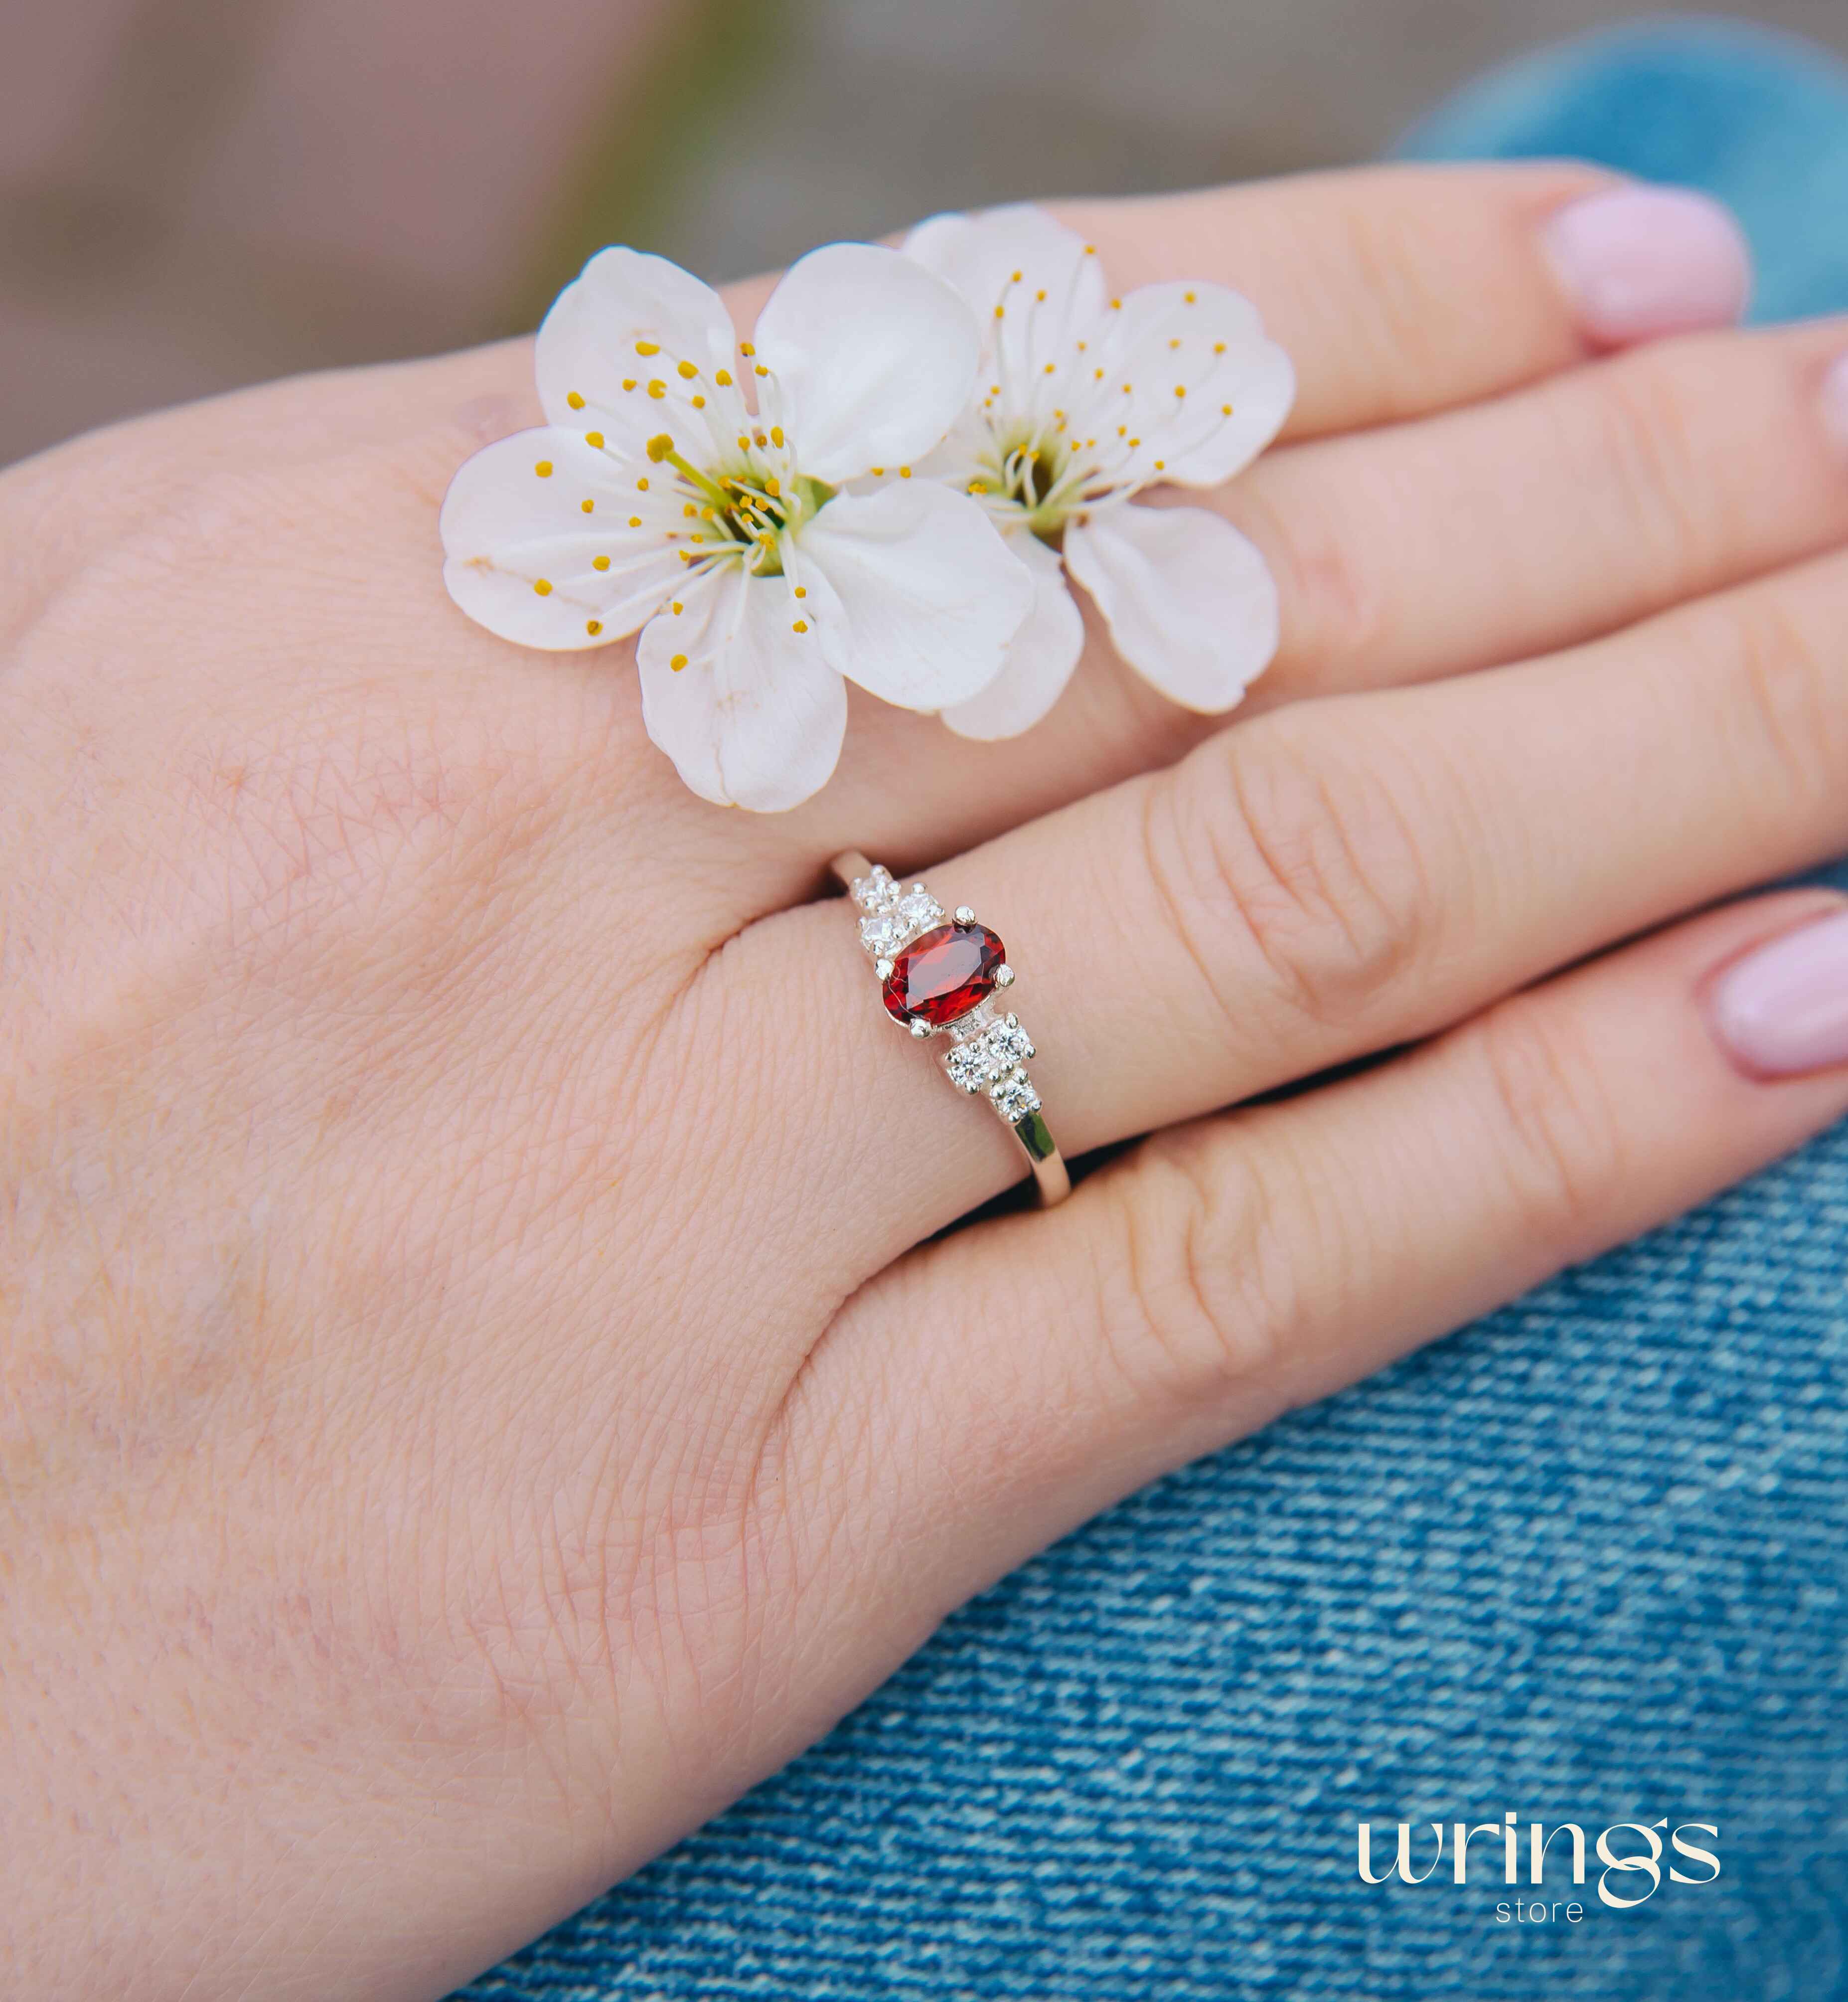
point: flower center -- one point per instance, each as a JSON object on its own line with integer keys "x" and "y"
{"x": 1030, "y": 471}
{"x": 748, "y": 509}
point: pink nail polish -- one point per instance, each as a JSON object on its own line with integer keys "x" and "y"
{"x": 1640, "y": 262}
{"x": 1835, "y": 402}
{"x": 1783, "y": 1008}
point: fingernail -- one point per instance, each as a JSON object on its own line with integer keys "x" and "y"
{"x": 1640, "y": 262}
{"x": 1783, "y": 1008}
{"x": 1835, "y": 402}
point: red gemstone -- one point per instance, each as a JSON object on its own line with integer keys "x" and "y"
{"x": 943, "y": 974}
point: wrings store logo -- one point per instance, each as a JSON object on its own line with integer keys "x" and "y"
{"x": 1631, "y": 1855}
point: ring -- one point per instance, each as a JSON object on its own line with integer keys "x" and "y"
{"x": 938, "y": 975}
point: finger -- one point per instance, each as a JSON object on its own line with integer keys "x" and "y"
{"x": 1411, "y": 553}
{"x": 1536, "y": 521}
{"x": 1403, "y": 290}
{"x": 1372, "y": 276}
{"x": 1334, "y": 879}
{"x": 1430, "y": 547}
{"x": 997, "y": 1387}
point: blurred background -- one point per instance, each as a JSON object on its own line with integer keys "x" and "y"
{"x": 196, "y": 194}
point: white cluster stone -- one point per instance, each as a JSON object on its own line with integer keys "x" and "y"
{"x": 1014, "y": 1097}
{"x": 898, "y": 914}
{"x": 983, "y": 1059}
{"x": 876, "y": 892}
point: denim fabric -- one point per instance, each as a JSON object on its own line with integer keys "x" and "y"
{"x": 1584, "y": 1560}
{"x": 1759, "y": 120}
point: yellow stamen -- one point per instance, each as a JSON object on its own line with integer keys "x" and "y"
{"x": 589, "y": 507}
{"x": 593, "y": 626}
{"x": 648, "y": 347}
{"x": 656, "y": 387}
{"x": 594, "y": 438}
{"x": 687, "y": 371}
{"x": 628, "y": 382}
{"x": 698, "y": 402}
{"x": 745, "y": 348}
{"x": 544, "y": 468}
{"x": 800, "y": 625}
{"x": 677, "y": 662}
{"x": 776, "y": 435}
{"x": 575, "y": 400}
{"x": 677, "y": 607}
{"x": 724, "y": 378}
{"x": 635, "y": 520}
{"x": 543, "y": 587}
{"x": 599, "y": 563}
{"x": 802, "y": 591}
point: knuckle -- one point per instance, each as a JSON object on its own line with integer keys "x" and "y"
{"x": 1790, "y": 695}
{"x": 1338, "y": 614}
{"x": 1385, "y": 268}
{"x": 1269, "y": 856}
{"x": 1196, "y": 1294}
{"x": 1644, "y": 424}
{"x": 1559, "y": 1139}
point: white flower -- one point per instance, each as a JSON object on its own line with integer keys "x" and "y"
{"x": 1084, "y": 400}
{"x": 686, "y": 485}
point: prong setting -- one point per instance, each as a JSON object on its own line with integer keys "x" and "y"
{"x": 938, "y": 979}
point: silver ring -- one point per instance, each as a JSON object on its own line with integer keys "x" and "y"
{"x": 939, "y": 973}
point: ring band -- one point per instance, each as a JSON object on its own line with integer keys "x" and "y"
{"x": 939, "y": 973}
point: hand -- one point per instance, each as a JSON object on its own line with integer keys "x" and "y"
{"x": 477, "y": 1391}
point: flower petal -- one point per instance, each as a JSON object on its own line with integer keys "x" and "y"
{"x": 1192, "y": 384}
{"x": 1040, "y": 658}
{"x": 874, "y": 358}
{"x": 508, "y": 530}
{"x": 756, "y": 716}
{"x": 626, "y": 323}
{"x": 917, "y": 593}
{"x": 1049, "y": 282}
{"x": 1191, "y": 603}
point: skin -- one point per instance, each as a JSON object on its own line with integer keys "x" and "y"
{"x": 476, "y": 1394}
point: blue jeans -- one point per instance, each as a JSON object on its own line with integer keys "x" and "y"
{"x": 1584, "y": 1561}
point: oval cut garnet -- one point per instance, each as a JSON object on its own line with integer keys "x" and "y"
{"x": 943, "y": 974}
